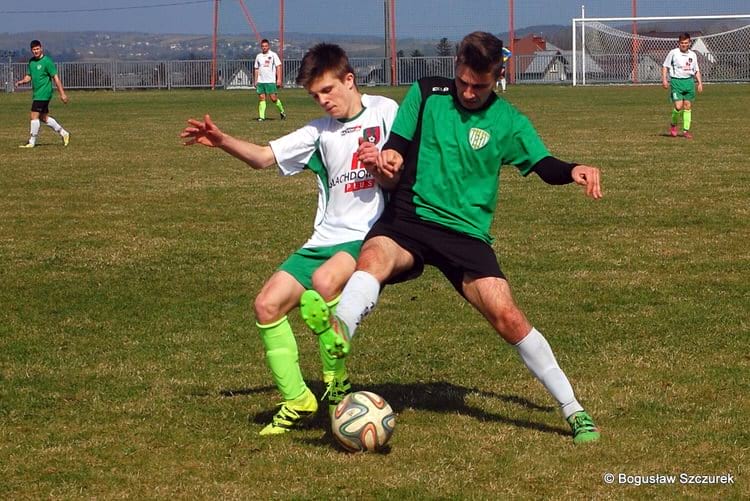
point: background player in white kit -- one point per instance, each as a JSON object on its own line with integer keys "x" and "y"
{"x": 682, "y": 65}
{"x": 267, "y": 75}
{"x": 350, "y": 200}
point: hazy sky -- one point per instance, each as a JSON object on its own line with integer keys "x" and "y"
{"x": 419, "y": 18}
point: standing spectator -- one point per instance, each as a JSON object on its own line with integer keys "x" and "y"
{"x": 267, "y": 79}
{"x": 41, "y": 73}
{"x": 682, "y": 65}
{"x": 506, "y": 57}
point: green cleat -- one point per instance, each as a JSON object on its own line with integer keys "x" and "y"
{"x": 66, "y": 138}
{"x": 584, "y": 429}
{"x": 27, "y": 145}
{"x": 337, "y": 387}
{"x": 317, "y": 316}
{"x": 293, "y": 414}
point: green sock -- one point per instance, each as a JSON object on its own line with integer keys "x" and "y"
{"x": 675, "y": 116}
{"x": 283, "y": 358}
{"x": 687, "y": 116}
{"x": 330, "y": 364}
{"x": 262, "y": 109}
{"x": 280, "y": 106}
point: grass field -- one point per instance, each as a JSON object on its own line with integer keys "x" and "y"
{"x": 130, "y": 366}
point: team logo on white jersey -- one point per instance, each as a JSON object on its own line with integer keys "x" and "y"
{"x": 372, "y": 134}
{"x": 478, "y": 138}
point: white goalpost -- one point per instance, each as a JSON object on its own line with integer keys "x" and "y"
{"x": 630, "y": 50}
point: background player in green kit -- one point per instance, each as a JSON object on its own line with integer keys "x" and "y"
{"x": 448, "y": 143}
{"x": 682, "y": 65}
{"x": 42, "y": 73}
{"x": 349, "y": 201}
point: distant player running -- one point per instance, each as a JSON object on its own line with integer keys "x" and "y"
{"x": 349, "y": 201}
{"x": 42, "y": 73}
{"x": 682, "y": 65}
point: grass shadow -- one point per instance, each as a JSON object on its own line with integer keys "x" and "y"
{"x": 438, "y": 396}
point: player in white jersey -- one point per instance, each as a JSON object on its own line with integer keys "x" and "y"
{"x": 267, "y": 74}
{"x": 681, "y": 64}
{"x": 350, "y": 199}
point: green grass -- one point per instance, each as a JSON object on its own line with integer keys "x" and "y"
{"x": 130, "y": 366}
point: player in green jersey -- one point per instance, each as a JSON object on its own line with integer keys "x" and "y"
{"x": 42, "y": 73}
{"x": 350, "y": 199}
{"x": 449, "y": 141}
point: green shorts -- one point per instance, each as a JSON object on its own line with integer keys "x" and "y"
{"x": 303, "y": 263}
{"x": 682, "y": 89}
{"x": 266, "y": 88}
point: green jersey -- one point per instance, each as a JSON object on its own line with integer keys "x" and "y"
{"x": 453, "y": 156}
{"x": 41, "y": 71}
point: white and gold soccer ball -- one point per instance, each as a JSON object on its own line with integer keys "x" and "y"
{"x": 363, "y": 421}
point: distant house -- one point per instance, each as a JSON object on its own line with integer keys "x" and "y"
{"x": 240, "y": 80}
{"x": 537, "y": 60}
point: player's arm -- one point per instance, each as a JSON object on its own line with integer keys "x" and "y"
{"x": 664, "y": 81}
{"x": 385, "y": 167}
{"x": 555, "y": 171}
{"x": 278, "y": 73}
{"x": 60, "y": 89}
{"x": 699, "y": 79}
{"x": 26, "y": 79}
{"x": 208, "y": 134}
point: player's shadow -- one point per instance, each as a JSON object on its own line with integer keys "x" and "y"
{"x": 438, "y": 396}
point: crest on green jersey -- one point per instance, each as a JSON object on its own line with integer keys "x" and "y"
{"x": 478, "y": 138}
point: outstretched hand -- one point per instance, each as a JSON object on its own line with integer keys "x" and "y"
{"x": 205, "y": 133}
{"x": 589, "y": 178}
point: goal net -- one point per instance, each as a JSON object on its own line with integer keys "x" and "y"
{"x": 632, "y": 50}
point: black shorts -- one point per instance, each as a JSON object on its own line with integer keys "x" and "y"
{"x": 40, "y": 106}
{"x": 453, "y": 253}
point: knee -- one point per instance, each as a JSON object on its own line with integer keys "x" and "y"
{"x": 266, "y": 311}
{"x": 510, "y": 323}
{"x": 323, "y": 282}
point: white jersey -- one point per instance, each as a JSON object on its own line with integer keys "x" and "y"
{"x": 681, "y": 64}
{"x": 349, "y": 198}
{"x": 266, "y": 65}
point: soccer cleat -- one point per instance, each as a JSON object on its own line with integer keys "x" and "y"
{"x": 283, "y": 115}
{"x": 318, "y": 318}
{"x": 337, "y": 387}
{"x": 292, "y": 414}
{"x": 261, "y": 120}
{"x": 687, "y": 135}
{"x": 66, "y": 138}
{"x": 584, "y": 429}
{"x": 27, "y": 145}
{"x": 673, "y": 130}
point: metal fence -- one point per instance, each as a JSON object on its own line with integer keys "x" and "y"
{"x": 548, "y": 67}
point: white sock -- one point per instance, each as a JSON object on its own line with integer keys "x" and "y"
{"x": 536, "y": 353}
{"x": 357, "y": 299}
{"x": 52, "y": 123}
{"x": 34, "y": 131}
{"x": 502, "y": 83}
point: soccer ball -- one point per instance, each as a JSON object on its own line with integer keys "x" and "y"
{"x": 363, "y": 421}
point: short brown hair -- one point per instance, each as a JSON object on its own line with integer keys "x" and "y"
{"x": 684, "y": 36}
{"x": 320, "y": 59}
{"x": 482, "y": 52}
